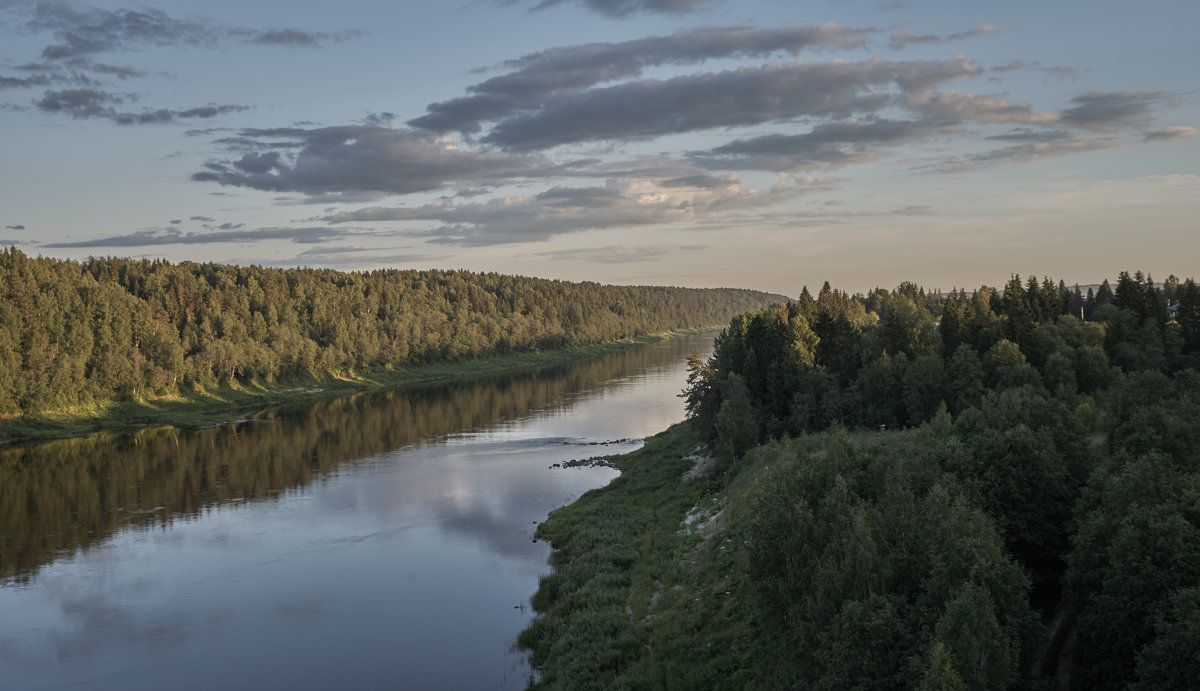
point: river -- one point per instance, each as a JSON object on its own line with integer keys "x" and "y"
{"x": 383, "y": 540}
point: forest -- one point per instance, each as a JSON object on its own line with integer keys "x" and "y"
{"x": 966, "y": 490}
{"x": 108, "y": 329}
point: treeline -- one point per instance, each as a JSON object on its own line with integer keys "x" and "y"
{"x": 1033, "y": 498}
{"x": 72, "y": 334}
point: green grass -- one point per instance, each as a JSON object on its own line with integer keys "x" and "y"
{"x": 637, "y": 600}
{"x": 203, "y": 408}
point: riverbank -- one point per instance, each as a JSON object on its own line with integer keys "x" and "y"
{"x": 642, "y": 594}
{"x": 785, "y": 569}
{"x": 226, "y": 404}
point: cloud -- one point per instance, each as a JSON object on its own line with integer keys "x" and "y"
{"x": 572, "y": 69}
{"x": 26, "y": 82}
{"x": 1072, "y": 73}
{"x": 73, "y": 72}
{"x": 379, "y": 119}
{"x": 624, "y": 8}
{"x": 297, "y": 38}
{"x": 914, "y": 210}
{"x": 830, "y": 145}
{"x": 1024, "y": 134}
{"x": 172, "y": 236}
{"x": 900, "y": 39}
{"x": 1098, "y": 110}
{"x": 612, "y": 254}
{"x": 121, "y": 72}
{"x": 79, "y": 103}
{"x": 748, "y": 96}
{"x": 355, "y": 158}
{"x": 559, "y": 210}
{"x": 1028, "y": 151}
{"x": 955, "y": 105}
{"x": 85, "y": 31}
{"x": 93, "y": 103}
{"x": 81, "y": 33}
{"x": 1172, "y": 134}
{"x": 16, "y": 227}
{"x": 356, "y": 256}
{"x": 204, "y": 219}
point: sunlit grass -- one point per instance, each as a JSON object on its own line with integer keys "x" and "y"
{"x": 203, "y": 407}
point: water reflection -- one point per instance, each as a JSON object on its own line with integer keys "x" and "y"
{"x": 377, "y": 541}
{"x": 63, "y": 496}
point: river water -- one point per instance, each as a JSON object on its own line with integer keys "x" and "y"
{"x": 382, "y": 540}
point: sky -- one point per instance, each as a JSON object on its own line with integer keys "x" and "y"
{"x": 756, "y": 144}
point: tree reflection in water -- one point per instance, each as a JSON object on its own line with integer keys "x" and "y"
{"x": 67, "y": 495}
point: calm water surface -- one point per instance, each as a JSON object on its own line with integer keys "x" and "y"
{"x": 376, "y": 541}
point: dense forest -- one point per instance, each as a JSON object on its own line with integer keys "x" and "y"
{"x": 972, "y": 490}
{"x": 1058, "y": 452}
{"x": 74, "y": 334}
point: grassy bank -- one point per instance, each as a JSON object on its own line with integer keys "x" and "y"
{"x": 641, "y": 595}
{"x": 203, "y": 408}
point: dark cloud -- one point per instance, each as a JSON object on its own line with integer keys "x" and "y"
{"x": 81, "y": 33}
{"x": 297, "y": 38}
{"x": 900, "y": 39}
{"x": 378, "y": 119}
{"x": 79, "y": 103}
{"x": 85, "y": 31}
{"x": 93, "y": 103}
{"x": 16, "y": 227}
{"x": 830, "y": 145}
{"x": 208, "y": 111}
{"x": 355, "y": 158}
{"x": 259, "y": 164}
{"x": 176, "y": 222}
{"x": 571, "y": 69}
{"x": 625, "y": 8}
{"x": 71, "y": 72}
{"x": 1097, "y": 110}
{"x": 749, "y": 96}
{"x": 171, "y": 236}
{"x": 26, "y": 82}
{"x": 1171, "y": 134}
{"x": 204, "y": 219}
